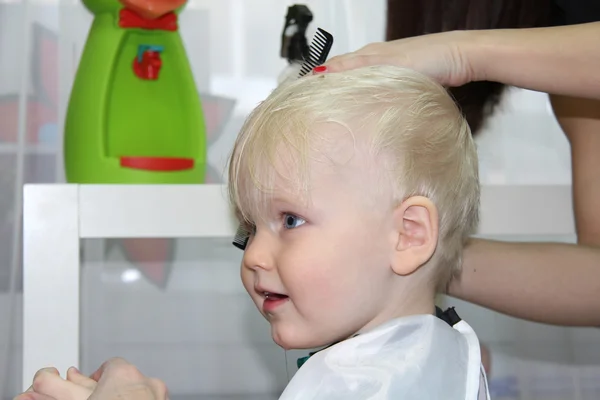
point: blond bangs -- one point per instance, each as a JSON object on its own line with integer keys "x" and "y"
{"x": 271, "y": 149}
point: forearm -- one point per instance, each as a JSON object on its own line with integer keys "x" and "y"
{"x": 561, "y": 60}
{"x": 580, "y": 121}
{"x": 544, "y": 282}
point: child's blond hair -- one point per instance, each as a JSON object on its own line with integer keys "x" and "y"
{"x": 412, "y": 122}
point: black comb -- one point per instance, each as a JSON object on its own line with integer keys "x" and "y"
{"x": 319, "y": 50}
{"x": 241, "y": 238}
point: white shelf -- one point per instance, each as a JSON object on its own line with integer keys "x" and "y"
{"x": 143, "y": 211}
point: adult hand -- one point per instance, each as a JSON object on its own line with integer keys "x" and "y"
{"x": 559, "y": 60}
{"x": 115, "y": 379}
{"x": 441, "y": 56}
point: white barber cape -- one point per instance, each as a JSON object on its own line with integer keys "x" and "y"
{"x": 419, "y": 357}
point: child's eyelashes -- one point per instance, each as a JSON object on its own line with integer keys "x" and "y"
{"x": 286, "y": 219}
{"x": 291, "y": 221}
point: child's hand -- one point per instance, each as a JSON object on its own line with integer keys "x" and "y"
{"x": 48, "y": 385}
{"x": 115, "y": 379}
{"x": 29, "y": 394}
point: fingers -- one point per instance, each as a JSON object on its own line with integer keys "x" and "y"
{"x": 118, "y": 377}
{"x": 356, "y": 60}
{"x": 110, "y": 364}
{"x": 49, "y": 370}
{"x": 33, "y": 396}
{"x": 29, "y": 394}
{"x": 344, "y": 62}
{"x": 53, "y": 386}
{"x": 73, "y": 375}
{"x": 159, "y": 388}
{"x": 118, "y": 368}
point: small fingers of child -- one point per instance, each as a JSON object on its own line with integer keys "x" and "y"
{"x": 75, "y": 376}
{"x": 33, "y": 396}
{"x": 58, "y": 388}
{"x": 49, "y": 370}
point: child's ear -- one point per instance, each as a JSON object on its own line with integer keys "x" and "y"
{"x": 416, "y": 227}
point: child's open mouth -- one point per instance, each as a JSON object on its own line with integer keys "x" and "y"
{"x": 273, "y": 296}
{"x": 273, "y": 301}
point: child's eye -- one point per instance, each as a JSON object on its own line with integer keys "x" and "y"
{"x": 290, "y": 221}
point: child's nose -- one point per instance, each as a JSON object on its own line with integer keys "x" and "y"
{"x": 259, "y": 253}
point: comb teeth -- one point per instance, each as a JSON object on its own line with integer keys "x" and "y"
{"x": 318, "y": 51}
{"x": 241, "y": 238}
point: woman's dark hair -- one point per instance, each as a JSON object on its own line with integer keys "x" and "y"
{"x": 406, "y": 18}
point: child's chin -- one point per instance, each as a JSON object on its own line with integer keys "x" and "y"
{"x": 294, "y": 340}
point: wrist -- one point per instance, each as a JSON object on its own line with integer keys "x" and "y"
{"x": 476, "y": 49}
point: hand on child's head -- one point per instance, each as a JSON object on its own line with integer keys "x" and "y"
{"x": 441, "y": 56}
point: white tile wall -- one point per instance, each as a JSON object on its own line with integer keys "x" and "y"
{"x": 202, "y": 335}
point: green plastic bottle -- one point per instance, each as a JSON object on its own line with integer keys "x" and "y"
{"x": 134, "y": 115}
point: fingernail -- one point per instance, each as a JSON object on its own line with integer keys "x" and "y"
{"x": 74, "y": 369}
{"x": 319, "y": 69}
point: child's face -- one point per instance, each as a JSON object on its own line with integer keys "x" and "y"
{"x": 330, "y": 258}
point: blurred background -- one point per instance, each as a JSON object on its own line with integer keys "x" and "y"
{"x": 157, "y": 308}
